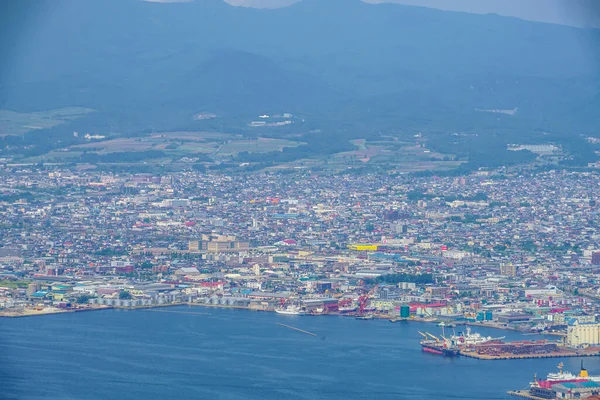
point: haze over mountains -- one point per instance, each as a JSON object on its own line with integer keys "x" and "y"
{"x": 582, "y": 13}
{"x": 344, "y": 65}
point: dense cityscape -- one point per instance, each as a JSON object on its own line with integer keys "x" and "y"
{"x": 493, "y": 248}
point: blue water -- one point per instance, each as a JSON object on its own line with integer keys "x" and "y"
{"x": 238, "y": 354}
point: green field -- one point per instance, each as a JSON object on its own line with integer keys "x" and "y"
{"x": 174, "y": 144}
{"x": 260, "y": 145}
{"x": 405, "y": 154}
{"x": 10, "y": 284}
{"x": 16, "y": 123}
{"x": 391, "y": 154}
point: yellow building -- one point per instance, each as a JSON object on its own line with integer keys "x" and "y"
{"x": 583, "y": 333}
{"x": 362, "y": 247}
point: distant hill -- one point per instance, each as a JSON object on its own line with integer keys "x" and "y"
{"x": 353, "y": 69}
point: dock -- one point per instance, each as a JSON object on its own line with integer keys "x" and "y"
{"x": 523, "y": 394}
{"x": 509, "y": 356}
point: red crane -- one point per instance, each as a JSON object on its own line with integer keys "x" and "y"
{"x": 362, "y": 303}
{"x": 364, "y": 300}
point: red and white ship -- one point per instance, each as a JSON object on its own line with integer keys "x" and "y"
{"x": 562, "y": 376}
{"x": 550, "y": 387}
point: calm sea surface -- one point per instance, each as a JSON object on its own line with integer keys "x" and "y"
{"x": 236, "y": 354}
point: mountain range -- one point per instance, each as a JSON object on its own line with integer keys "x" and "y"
{"x": 348, "y": 68}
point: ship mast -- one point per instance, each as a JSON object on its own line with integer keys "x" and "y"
{"x": 535, "y": 382}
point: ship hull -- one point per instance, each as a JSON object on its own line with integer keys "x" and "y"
{"x": 432, "y": 350}
{"x": 439, "y": 350}
{"x": 288, "y": 312}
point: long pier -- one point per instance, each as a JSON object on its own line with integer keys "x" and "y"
{"x": 297, "y": 329}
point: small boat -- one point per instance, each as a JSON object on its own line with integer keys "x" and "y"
{"x": 365, "y": 317}
{"x": 446, "y": 324}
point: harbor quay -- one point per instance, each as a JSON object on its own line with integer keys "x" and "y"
{"x": 482, "y": 349}
{"x": 510, "y": 356}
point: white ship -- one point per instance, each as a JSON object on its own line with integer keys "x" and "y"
{"x": 290, "y": 310}
{"x": 561, "y": 375}
{"x": 344, "y": 310}
{"x": 469, "y": 339}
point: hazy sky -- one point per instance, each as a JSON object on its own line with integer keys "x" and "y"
{"x": 569, "y": 12}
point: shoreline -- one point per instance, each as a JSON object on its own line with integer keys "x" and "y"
{"x": 3, "y": 314}
{"x": 161, "y": 307}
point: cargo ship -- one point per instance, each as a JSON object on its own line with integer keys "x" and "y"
{"x": 434, "y": 345}
{"x": 557, "y": 384}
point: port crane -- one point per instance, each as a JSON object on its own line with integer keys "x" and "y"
{"x": 428, "y": 335}
{"x": 364, "y": 300}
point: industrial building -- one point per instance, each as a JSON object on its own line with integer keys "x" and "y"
{"x": 508, "y": 269}
{"x": 583, "y": 333}
{"x": 218, "y": 244}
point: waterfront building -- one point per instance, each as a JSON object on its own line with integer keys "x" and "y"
{"x": 583, "y": 333}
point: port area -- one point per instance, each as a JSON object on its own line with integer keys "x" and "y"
{"x": 524, "y": 394}
{"x": 495, "y": 325}
{"x": 523, "y": 354}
